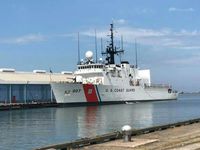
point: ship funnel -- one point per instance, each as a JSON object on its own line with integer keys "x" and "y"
{"x": 89, "y": 55}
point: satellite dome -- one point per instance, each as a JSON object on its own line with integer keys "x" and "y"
{"x": 89, "y": 55}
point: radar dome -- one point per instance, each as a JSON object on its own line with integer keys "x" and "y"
{"x": 89, "y": 55}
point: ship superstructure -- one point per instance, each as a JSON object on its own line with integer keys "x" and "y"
{"x": 108, "y": 82}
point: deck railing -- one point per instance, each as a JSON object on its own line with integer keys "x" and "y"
{"x": 158, "y": 86}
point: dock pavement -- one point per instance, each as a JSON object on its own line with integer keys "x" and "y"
{"x": 185, "y": 137}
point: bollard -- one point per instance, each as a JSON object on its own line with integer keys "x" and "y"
{"x": 126, "y": 130}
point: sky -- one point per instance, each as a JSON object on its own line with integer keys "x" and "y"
{"x": 37, "y": 34}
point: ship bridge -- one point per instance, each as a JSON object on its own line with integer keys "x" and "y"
{"x": 90, "y": 66}
{"x": 90, "y": 73}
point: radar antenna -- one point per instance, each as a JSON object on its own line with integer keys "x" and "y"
{"x": 78, "y": 50}
{"x": 111, "y": 50}
{"x": 136, "y": 57}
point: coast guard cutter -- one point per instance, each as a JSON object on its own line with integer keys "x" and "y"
{"x": 105, "y": 82}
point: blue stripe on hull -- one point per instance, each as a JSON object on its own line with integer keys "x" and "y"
{"x": 98, "y": 93}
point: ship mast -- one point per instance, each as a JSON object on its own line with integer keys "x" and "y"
{"x": 111, "y": 50}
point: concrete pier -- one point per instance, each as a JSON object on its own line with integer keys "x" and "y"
{"x": 180, "y": 136}
{"x": 14, "y": 106}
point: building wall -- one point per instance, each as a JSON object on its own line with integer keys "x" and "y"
{"x": 28, "y": 87}
{"x": 25, "y": 93}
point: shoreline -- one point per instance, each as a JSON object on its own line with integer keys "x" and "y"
{"x": 157, "y": 137}
{"x": 18, "y": 106}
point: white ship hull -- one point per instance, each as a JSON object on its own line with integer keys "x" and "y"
{"x": 89, "y": 93}
{"x": 106, "y": 82}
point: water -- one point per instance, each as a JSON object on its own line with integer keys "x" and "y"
{"x": 33, "y": 128}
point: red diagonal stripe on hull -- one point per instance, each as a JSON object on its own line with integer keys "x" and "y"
{"x": 90, "y": 93}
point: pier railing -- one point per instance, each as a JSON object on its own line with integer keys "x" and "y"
{"x": 158, "y": 86}
{"x": 113, "y": 136}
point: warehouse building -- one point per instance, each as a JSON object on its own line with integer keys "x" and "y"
{"x": 29, "y": 87}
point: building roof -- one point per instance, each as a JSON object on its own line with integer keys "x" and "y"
{"x": 34, "y": 78}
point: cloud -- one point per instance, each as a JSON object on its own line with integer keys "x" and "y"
{"x": 100, "y": 33}
{"x": 23, "y": 39}
{"x": 160, "y": 38}
{"x": 33, "y": 38}
{"x": 174, "y": 9}
{"x": 145, "y": 11}
{"x": 190, "y": 47}
{"x": 190, "y": 60}
{"x": 120, "y": 21}
{"x": 68, "y": 35}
